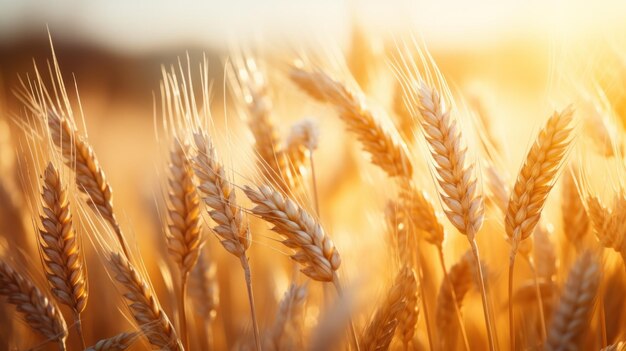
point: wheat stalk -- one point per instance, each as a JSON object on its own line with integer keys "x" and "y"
{"x": 184, "y": 239}
{"x": 575, "y": 306}
{"x": 90, "y": 178}
{"x": 534, "y": 182}
{"x": 39, "y": 312}
{"x": 458, "y": 184}
{"x": 119, "y": 342}
{"x": 144, "y": 305}
{"x": 219, "y": 196}
{"x": 386, "y": 149}
{"x": 61, "y": 254}
{"x": 464, "y": 205}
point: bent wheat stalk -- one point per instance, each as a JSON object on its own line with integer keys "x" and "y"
{"x": 60, "y": 251}
{"x": 80, "y": 157}
{"x": 534, "y": 182}
{"x": 39, "y": 312}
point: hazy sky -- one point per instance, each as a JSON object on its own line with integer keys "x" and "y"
{"x": 146, "y": 24}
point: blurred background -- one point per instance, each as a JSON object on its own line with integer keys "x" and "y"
{"x": 519, "y": 60}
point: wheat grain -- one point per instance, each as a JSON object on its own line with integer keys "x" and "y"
{"x": 575, "y": 306}
{"x": 144, "y": 306}
{"x": 39, "y": 312}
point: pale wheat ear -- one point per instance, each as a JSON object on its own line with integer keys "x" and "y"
{"x": 576, "y": 303}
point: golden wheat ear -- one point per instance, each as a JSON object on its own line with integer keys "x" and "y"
{"x": 40, "y": 313}
{"x": 386, "y": 149}
{"x": 314, "y": 249}
{"x": 59, "y": 246}
{"x": 144, "y": 306}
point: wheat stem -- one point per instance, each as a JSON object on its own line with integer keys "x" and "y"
{"x": 339, "y": 289}
{"x": 457, "y": 311}
{"x": 483, "y": 294}
{"x": 542, "y": 317}
{"x": 248, "y": 277}
{"x": 182, "y": 314}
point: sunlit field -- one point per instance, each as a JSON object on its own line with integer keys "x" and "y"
{"x": 312, "y": 176}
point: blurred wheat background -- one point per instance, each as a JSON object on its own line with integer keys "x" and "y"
{"x": 508, "y": 65}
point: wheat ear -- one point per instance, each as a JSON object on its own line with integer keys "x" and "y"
{"x": 256, "y": 96}
{"x": 451, "y": 294}
{"x": 219, "y": 195}
{"x": 314, "y": 249}
{"x": 119, "y": 342}
{"x": 60, "y": 251}
{"x": 407, "y": 318}
{"x": 144, "y": 305}
{"x": 381, "y": 328}
{"x": 575, "y": 220}
{"x": 608, "y": 222}
{"x": 287, "y": 326}
{"x": 618, "y": 346}
{"x": 458, "y": 183}
{"x": 184, "y": 239}
{"x": 39, "y": 312}
{"x": 534, "y": 182}
{"x": 204, "y": 293}
{"x": 571, "y": 317}
{"x": 386, "y": 149}
{"x": 79, "y": 156}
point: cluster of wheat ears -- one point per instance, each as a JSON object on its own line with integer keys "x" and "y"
{"x": 565, "y": 295}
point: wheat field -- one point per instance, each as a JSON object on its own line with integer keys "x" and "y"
{"x": 324, "y": 200}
